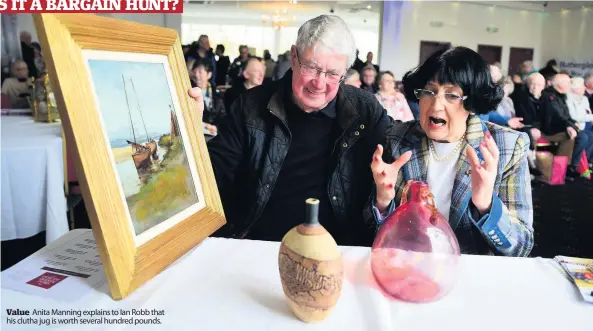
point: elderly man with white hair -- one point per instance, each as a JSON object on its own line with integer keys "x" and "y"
{"x": 580, "y": 111}
{"x": 304, "y": 136}
{"x": 557, "y": 124}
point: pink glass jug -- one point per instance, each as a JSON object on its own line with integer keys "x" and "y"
{"x": 415, "y": 254}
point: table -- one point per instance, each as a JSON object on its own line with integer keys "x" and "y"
{"x": 33, "y": 198}
{"x": 226, "y": 284}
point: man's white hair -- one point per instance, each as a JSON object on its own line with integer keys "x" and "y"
{"x": 531, "y": 77}
{"x": 577, "y": 82}
{"x": 330, "y": 32}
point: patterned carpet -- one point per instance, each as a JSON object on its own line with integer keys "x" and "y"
{"x": 563, "y": 219}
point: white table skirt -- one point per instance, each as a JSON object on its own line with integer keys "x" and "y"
{"x": 227, "y": 284}
{"x": 33, "y": 197}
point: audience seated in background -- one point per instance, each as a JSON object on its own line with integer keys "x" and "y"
{"x": 214, "y": 109}
{"x": 252, "y": 76}
{"x": 393, "y": 101}
{"x": 556, "y": 123}
{"x": 16, "y": 88}
{"x": 580, "y": 112}
{"x": 369, "y": 75}
{"x": 352, "y": 78}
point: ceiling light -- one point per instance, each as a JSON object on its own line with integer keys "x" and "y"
{"x": 369, "y": 7}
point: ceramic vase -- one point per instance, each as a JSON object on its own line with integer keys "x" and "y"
{"x": 311, "y": 269}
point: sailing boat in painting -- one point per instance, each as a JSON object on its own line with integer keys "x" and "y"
{"x": 146, "y": 135}
{"x": 141, "y": 152}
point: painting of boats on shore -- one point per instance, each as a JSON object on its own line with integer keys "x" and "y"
{"x": 142, "y": 127}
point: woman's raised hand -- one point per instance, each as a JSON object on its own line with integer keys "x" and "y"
{"x": 385, "y": 175}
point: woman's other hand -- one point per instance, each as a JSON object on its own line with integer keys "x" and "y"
{"x": 483, "y": 174}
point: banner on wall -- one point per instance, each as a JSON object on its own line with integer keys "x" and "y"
{"x": 576, "y": 67}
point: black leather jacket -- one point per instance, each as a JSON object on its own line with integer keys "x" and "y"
{"x": 253, "y": 141}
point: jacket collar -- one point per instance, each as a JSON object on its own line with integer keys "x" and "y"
{"x": 345, "y": 112}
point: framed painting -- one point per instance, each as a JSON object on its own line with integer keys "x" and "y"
{"x": 145, "y": 173}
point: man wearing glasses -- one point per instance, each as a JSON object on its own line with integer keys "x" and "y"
{"x": 304, "y": 136}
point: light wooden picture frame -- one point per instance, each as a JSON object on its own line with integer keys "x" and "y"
{"x": 142, "y": 162}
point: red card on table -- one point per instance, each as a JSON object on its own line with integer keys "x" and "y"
{"x": 47, "y": 280}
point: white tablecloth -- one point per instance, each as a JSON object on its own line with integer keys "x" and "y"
{"x": 32, "y": 179}
{"x": 227, "y": 284}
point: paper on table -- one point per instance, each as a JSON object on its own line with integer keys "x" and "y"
{"x": 65, "y": 270}
{"x": 580, "y": 273}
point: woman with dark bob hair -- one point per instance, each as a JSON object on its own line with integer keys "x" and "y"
{"x": 477, "y": 171}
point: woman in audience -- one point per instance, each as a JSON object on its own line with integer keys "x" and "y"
{"x": 477, "y": 171}
{"x": 214, "y": 109}
{"x": 506, "y": 107}
{"x": 352, "y": 78}
{"x": 580, "y": 112}
{"x": 392, "y": 100}
{"x": 495, "y": 116}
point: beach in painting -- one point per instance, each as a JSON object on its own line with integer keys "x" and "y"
{"x": 138, "y": 114}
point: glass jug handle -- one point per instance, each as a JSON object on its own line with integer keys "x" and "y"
{"x": 433, "y": 206}
{"x": 404, "y": 198}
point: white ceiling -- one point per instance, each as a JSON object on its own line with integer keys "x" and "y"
{"x": 362, "y": 6}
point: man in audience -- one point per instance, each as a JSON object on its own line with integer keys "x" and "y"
{"x": 270, "y": 66}
{"x": 28, "y": 52}
{"x": 282, "y": 66}
{"x": 580, "y": 112}
{"x": 358, "y": 64}
{"x": 526, "y": 69}
{"x": 222, "y": 66}
{"x": 16, "y": 88}
{"x": 527, "y": 107}
{"x": 369, "y": 62}
{"x": 556, "y": 123}
{"x": 589, "y": 88}
{"x": 305, "y": 136}
{"x": 202, "y": 50}
{"x": 369, "y": 77}
{"x": 253, "y": 76}
{"x": 549, "y": 70}
{"x": 352, "y": 78}
{"x": 239, "y": 64}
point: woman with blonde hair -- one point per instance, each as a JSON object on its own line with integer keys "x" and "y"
{"x": 392, "y": 100}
